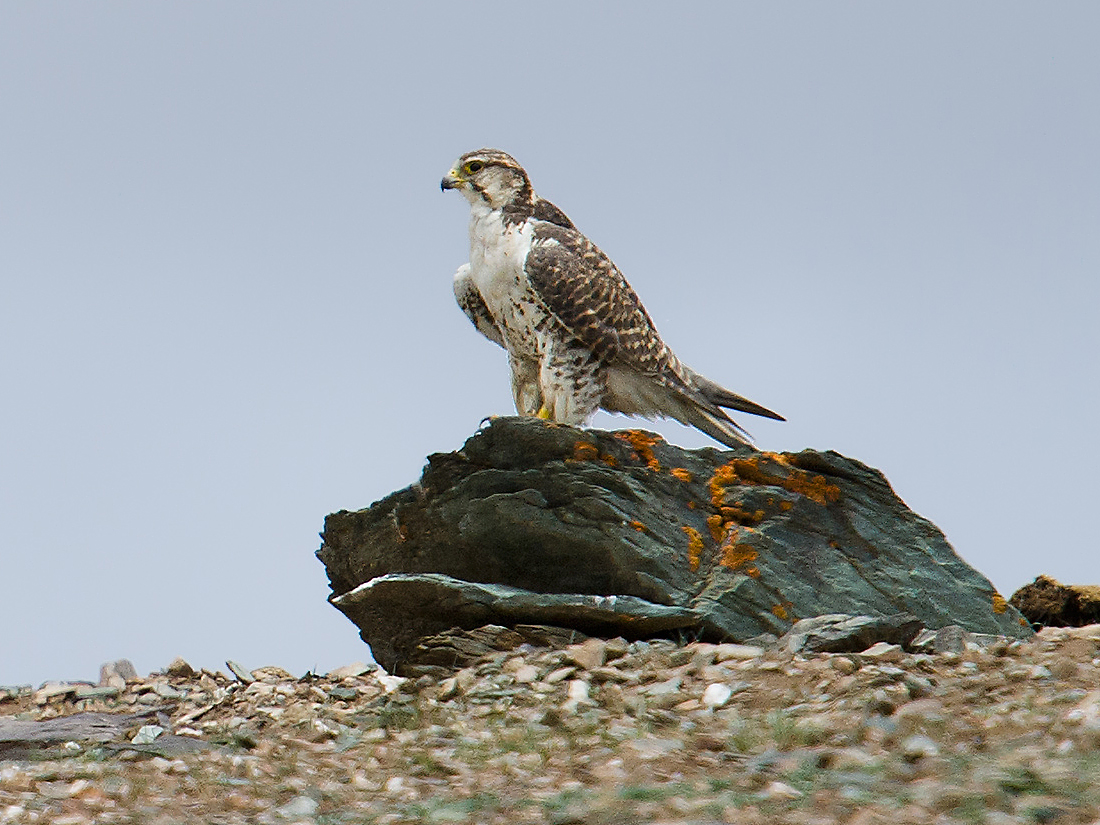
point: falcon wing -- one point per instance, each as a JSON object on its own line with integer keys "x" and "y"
{"x": 590, "y": 296}
{"x": 471, "y": 302}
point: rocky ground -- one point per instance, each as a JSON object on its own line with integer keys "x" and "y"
{"x": 603, "y": 731}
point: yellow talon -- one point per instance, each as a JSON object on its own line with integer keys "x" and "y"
{"x": 544, "y": 413}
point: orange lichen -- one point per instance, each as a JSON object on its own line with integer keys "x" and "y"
{"x": 723, "y": 477}
{"x": 641, "y": 528}
{"x": 741, "y": 516}
{"x": 780, "y": 611}
{"x": 716, "y": 525}
{"x": 785, "y": 506}
{"x": 752, "y": 572}
{"x": 609, "y": 460}
{"x": 691, "y": 505}
{"x": 999, "y": 603}
{"x": 585, "y": 451}
{"x": 683, "y": 474}
{"x": 642, "y": 442}
{"x": 736, "y": 556}
{"x": 774, "y": 470}
{"x": 695, "y": 546}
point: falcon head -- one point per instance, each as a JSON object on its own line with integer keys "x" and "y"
{"x": 489, "y": 176}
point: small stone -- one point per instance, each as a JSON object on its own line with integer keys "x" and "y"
{"x": 716, "y": 695}
{"x": 121, "y": 668}
{"x": 180, "y": 669}
{"x": 729, "y": 650}
{"x": 843, "y": 665}
{"x": 166, "y": 691}
{"x": 884, "y": 652}
{"x": 300, "y": 806}
{"x": 395, "y": 785}
{"x": 147, "y": 734}
{"x": 53, "y": 690}
{"x": 577, "y": 696}
{"x": 390, "y": 684}
{"x": 242, "y": 675}
{"x": 96, "y": 692}
{"x": 780, "y": 790}
{"x": 612, "y": 674}
{"x": 525, "y": 674}
{"x": 950, "y": 639}
{"x": 616, "y": 648}
{"x": 560, "y": 674}
{"x": 354, "y": 669}
{"x": 919, "y": 746}
{"x": 588, "y": 655}
{"x": 652, "y": 747}
{"x": 669, "y": 686}
{"x": 344, "y": 694}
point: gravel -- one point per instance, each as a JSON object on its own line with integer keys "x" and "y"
{"x": 605, "y": 732}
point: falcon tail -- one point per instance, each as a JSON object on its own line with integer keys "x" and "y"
{"x": 721, "y": 397}
{"x": 700, "y": 406}
{"x": 688, "y": 397}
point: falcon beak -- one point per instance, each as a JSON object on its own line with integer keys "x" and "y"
{"x": 451, "y": 180}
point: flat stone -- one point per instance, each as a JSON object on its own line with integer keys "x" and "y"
{"x": 96, "y": 692}
{"x": 727, "y": 651}
{"x": 240, "y": 673}
{"x": 54, "y": 690}
{"x": 354, "y": 669}
{"x": 884, "y": 652}
{"x": 841, "y": 633}
{"x": 950, "y": 639}
{"x": 147, "y": 734}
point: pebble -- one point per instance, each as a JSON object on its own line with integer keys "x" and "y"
{"x": 729, "y": 650}
{"x": 883, "y": 652}
{"x": 117, "y": 673}
{"x": 577, "y": 696}
{"x": 716, "y": 695}
{"x": 919, "y": 746}
{"x": 653, "y": 741}
{"x": 588, "y": 655}
{"x": 354, "y": 669}
{"x": 178, "y": 668}
{"x": 299, "y": 806}
{"x": 147, "y": 734}
{"x": 54, "y": 690}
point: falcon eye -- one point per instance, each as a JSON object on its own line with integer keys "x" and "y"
{"x": 473, "y": 166}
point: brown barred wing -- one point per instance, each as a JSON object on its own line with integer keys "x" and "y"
{"x": 589, "y": 295}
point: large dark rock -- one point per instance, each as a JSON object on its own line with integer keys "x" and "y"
{"x": 624, "y": 534}
{"x": 1046, "y": 601}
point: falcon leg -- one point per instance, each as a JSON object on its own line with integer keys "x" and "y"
{"x": 572, "y": 385}
{"x": 525, "y": 386}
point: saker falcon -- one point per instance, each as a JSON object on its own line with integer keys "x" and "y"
{"x": 578, "y": 339}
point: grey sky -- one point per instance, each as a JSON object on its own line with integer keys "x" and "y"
{"x": 225, "y": 265}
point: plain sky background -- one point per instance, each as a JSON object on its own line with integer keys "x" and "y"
{"x": 225, "y": 275}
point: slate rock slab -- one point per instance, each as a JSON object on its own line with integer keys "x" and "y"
{"x": 21, "y": 738}
{"x": 532, "y": 522}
